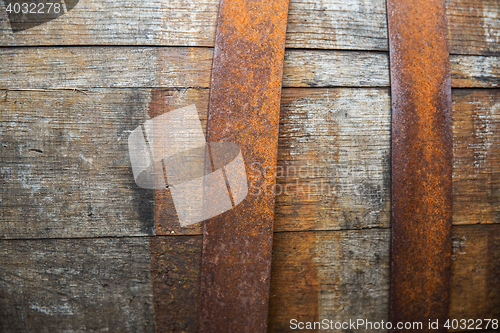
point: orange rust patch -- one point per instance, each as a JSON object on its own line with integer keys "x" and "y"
{"x": 244, "y": 109}
{"x": 421, "y": 161}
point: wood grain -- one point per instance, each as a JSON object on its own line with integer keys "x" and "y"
{"x": 476, "y": 156}
{"x": 333, "y": 160}
{"x": 473, "y": 26}
{"x": 166, "y": 219}
{"x": 337, "y": 24}
{"x": 65, "y": 115}
{"x": 345, "y": 275}
{"x": 475, "y": 283}
{"x": 64, "y": 177}
{"x": 349, "y": 273}
{"x": 77, "y": 285}
{"x": 65, "y": 169}
{"x": 99, "y": 284}
{"x": 175, "y": 269}
{"x": 475, "y": 71}
{"x": 326, "y": 24}
{"x": 293, "y": 262}
{"x": 184, "y": 67}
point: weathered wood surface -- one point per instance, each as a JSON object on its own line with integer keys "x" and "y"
{"x": 166, "y": 218}
{"x": 337, "y": 275}
{"x": 475, "y": 282}
{"x": 327, "y": 24}
{"x": 77, "y": 285}
{"x": 65, "y": 170}
{"x": 474, "y": 71}
{"x": 106, "y": 285}
{"x": 333, "y": 160}
{"x": 476, "y": 156}
{"x": 181, "y": 67}
{"x": 66, "y": 177}
{"x": 63, "y": 176}
{"x": 175, "y": 272}
{"x": 473, "y": 26}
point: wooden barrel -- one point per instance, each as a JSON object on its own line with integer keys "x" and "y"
{"x": 83, "y": 248}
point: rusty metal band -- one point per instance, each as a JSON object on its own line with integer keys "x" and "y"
{"x": 244, "y": 107}
{"x": 421, "y": 161}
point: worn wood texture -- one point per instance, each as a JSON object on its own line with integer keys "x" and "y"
{"x": 293, "y": 261}
{"x": 475, "y": 283}
{"x": 105, "y": 67}
{"x": 473, "y": 26}
{"x": 175, "y": 269}
{"x": 55, "y": 158}
{"x": 183, "y": 67}
{"x": 326, "y": 24}
{"x": 65, "y": 177}
{"x": 475, "y": 71}
{"x": 333, "y": 160}
{"x": 77, "y": 285}
{"x": 476, "y": 156}
{"x": 104, "y": 284}
{"x": 337, "y": 275}
{"x": 92, "y": 67}
{"x": 65, "y": 170}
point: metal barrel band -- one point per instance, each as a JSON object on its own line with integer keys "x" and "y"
{"x": 421, "y": 162}
{"x": 244, "y": 105}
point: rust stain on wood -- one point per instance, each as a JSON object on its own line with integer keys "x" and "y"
{"x": 475, "y": 283}
{"x": 294, "y": 280}
{"x": 164, "y": 205}
{"x": 175, "y": 270}
{"x": 175, "y": 261}
{"x": 421, "y": 161}
{"x": 244, "y": 109}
